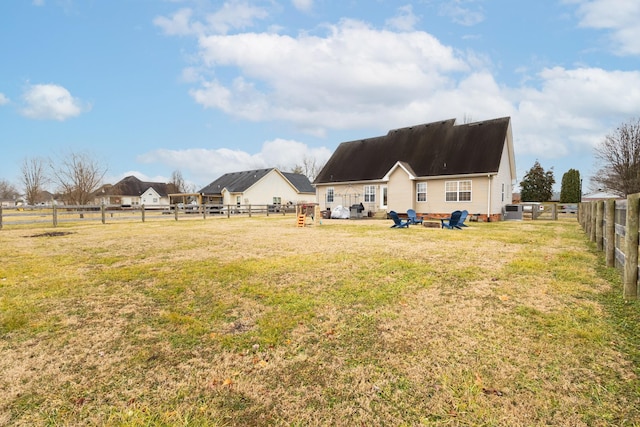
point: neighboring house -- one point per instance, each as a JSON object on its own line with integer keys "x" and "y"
{"x": 600, "y": 195}
{"x": 7, "y": 203}
{"x": 434, "y": 168}
{"x": 259, "y": 187}
{"x": 132, "y": 192}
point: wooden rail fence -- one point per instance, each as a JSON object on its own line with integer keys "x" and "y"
{"x": 55, "y": 215}
{"x": 613, "y": 226}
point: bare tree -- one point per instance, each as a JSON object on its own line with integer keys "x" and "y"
{"x": 34, "y": 178}
{"x": 177, "y": 184}
{"x": 297, "y": 169}
{"x": 8, "y": 191}
{"x": 619, "y": 158}
{"x": 309, "y": 168}
{"x": 78, "y": 175}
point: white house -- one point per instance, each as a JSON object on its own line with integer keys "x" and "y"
{"x": 132, "y": 192}
{"x": 259, "y": 187}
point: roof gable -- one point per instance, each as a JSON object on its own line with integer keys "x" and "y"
{"x": 432, "y": 149}
{"x": 402, "y": 165}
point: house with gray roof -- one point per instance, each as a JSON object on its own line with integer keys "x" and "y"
{"x": 133, "y": 192}
{"x": 433, "y": 168}
{"x": 259, "y": 187}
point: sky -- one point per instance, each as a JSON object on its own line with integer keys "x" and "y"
{"x": 204, "y": 87}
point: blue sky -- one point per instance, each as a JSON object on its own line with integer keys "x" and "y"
{"x": 207, "y": 87}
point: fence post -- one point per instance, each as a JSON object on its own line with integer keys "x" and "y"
{"x": 587, "y": 219}
{"x": 249, "y": 211}
{"x": 103, "y": 213}
{"x": 599, "y": 224}
{"x": 610, "y": 232}
{"x": 593, "y": 219}
{"x": 0, "y": 217}
{"x": 142, "y": 212}
{"x": 579, "y": 215}
{"x": 554, "y": 211}
{"x": 55, "y": 216}
{"x": 631, "y": 247}
{"x": 175, "y": 211}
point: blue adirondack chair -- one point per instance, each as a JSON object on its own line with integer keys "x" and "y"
{"x": 413, "y": 218}
{"x": 452, "y": 222}
{"x": 397, "y": 222}
{"x": 464, "y": 215}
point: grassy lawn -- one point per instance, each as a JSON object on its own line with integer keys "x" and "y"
{"x": 253, "y": 321}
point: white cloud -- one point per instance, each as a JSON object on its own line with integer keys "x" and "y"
{"x": 573, "y": 109}
{"x": 355, "y": 76}
{"x": 179, "y": 24}
{"x": 233, "y": 15}
{"x": 405, "y": 20}
{"x": 621, "y": 18}
{"x": 3, "y": 99}
{"x": 461, "y": 12}
{"x": 51, "y": 102}
{"x": 351, "y": 76}
{"x": 38, "y": 2}
{"x": 303, "y": 5}
{"x": 205, "y": 165}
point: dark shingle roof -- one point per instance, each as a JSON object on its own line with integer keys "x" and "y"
{"x": 300, "y": 181}
{"x": 132, "y": 186}
{"x": 239, "y": 182}
{"x": 235, "y": 182}
{"x": 432, "y": 149}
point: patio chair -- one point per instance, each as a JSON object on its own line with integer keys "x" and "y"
{"x": 463, "y": 216}
{"x": 397, "y": 222}
{"x": 452, "y": 222}
{"x": 413, "y": 218}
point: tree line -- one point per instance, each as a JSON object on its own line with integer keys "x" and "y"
{"x": 78, "y": 175}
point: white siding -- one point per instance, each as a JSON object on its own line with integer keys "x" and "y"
{"x": 401, "y": 191}
{"x": 503, "y": 177}
{"x": 262, "y": 192}
{"x": 151, "y": 198}
{"x": 347, "y": 195}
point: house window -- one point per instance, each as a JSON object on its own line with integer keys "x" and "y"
{"x": 330, "y": 195}
{"x": 155, "y": 200}
{"x": 421, "y": 192}
{"x": 277, "y": 200}
{"x": 503, "y": 192}
{"x": 458, "y": 191}
{"x": 370, "y": 193}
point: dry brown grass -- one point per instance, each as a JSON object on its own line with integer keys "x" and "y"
{"x": 253, "y": 321}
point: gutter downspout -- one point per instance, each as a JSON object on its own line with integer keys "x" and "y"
{"x": 489, "y": 199}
